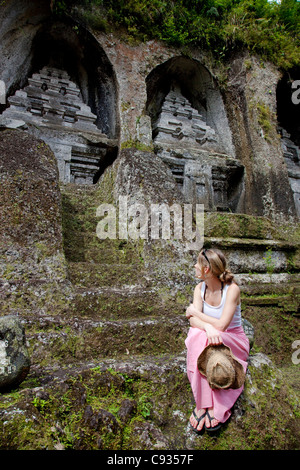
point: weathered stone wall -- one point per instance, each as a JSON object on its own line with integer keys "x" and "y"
{"x": 32, "y": 260}
{"x": 20, "y": 22}
{"x": 251, "y": 107}
{"x": 113, "y": 79}
{"x": 250, "y": 101}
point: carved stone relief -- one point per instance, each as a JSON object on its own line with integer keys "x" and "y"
{"x": 193, "y": 150}
{"x": 291, "y": 155}
{"x": 52, "y": 107}
{"x": 181, "y": 124}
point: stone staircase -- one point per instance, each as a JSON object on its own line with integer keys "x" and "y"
{"x": 117, "y": 311}
{"x": 108, "y": 354}
{"x": 105, "y": 320}
{"x": 113, "y": 308}
{"x": 116, "y": 304}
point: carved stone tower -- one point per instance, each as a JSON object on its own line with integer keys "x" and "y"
{"x": 194, "y": 150}
{"x": 52, "y": 108}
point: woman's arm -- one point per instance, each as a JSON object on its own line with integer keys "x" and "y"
{"x": 196, "y": 307}
{"x": 221, "y": 324}
{"x": 193, "y": 312}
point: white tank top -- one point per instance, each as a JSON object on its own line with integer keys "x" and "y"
{"x": 216, "y": 312}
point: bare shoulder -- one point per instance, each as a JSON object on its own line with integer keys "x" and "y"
{"x": 197, "y": 290}
{"x": 234, "y": 287}
{"x": 199, "y": 285}
{"x": 234, "y": 290}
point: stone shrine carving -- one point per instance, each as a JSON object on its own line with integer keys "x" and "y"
{"x": 53, "y": 108}
{"x": 291, "y": 155}
{"x": 52, "y": 96}
{"x": 179, "y": 121}
{"x": 193, "y": 151}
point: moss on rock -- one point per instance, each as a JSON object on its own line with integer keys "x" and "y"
{"x": 133, "y": 406}
{"x": 107, "y": 347}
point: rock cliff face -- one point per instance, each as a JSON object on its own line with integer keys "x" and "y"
{"x": 31, "y": 234}
{"x": 104, "y": 317}
{"x": 33, "y": 267}
{"x": 236, "y": 146}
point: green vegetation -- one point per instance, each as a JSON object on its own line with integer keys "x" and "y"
{"x": 112, "y": 410}
{"x": 269, "y": 28}
{"x": 137, "y": 145}
{"x": 105, "y": 375}
{"x": 264, "y": 120}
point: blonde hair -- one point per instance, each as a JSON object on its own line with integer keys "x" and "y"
{"x": 217, "y": 263}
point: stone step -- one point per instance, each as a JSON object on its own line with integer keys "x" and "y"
{"x": 268, "y": 284}
{"x": 82, "y": 198}
{"x": 79, "y": 205}
{"x": 114, "y": 303}
{"x": 257, "y": 255}
{"x": 54, "y": 340}
{"x": 82, "y": 213}
{"x": 137, "y": 366}
{"x": 250, "y": 243}
{"x": 278, "y": 289}
{"x": 242, "y": 226}
{"x": 68, "y": 338}
{"x": 86, "y": 246}
{"x": 260, "y": 256}
{"x": 276, "y": 300}
{"x": 88, "y": 274}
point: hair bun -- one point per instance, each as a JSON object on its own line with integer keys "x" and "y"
{"x": 217, "y": 263}
{"x": 226, "y": 276}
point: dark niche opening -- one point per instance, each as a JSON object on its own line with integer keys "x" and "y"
{"x": 288, "y": 115}
{"x": 191, "y": 133}
{"x": 69, "y": 99}
{"x": 67, "y": 47}
{"x": 288, "y": 108}
{"x": 190, "y": 76}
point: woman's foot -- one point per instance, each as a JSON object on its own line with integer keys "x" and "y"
{"x": 211, "y": 423}
{"x": 197, "y": 419}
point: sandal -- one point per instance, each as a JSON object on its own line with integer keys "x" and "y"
{"x": 198, "y": 421}
{"x": 212, "y": 428}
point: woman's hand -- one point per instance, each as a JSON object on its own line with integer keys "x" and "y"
{"x": 213, "y": 335}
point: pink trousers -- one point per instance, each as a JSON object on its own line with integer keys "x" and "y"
{"x": 205, "y": 397}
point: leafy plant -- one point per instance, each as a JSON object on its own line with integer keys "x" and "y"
{"x": 269, "y": 261}
{"x": 265, "y": 27}
{"x": 144, "y": 406}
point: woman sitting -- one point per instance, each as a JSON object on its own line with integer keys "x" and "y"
{"x": 215, "y": 319}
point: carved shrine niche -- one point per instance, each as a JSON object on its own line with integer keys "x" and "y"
{"x": 180, "y": 124}
{"x": 52, "y": 107}
{"x": 291, "y": 153}
{"x": 288, "y": 115}
{"x": 195, "y": 141}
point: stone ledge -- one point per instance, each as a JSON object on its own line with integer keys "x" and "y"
{"x": 251, "y": 243}
{"x": 265, "y": 278}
